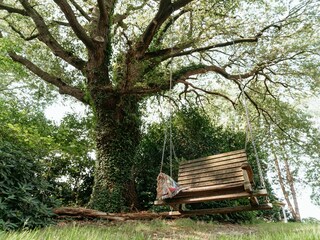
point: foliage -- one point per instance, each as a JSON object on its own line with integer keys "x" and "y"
{"x": 40, "y": 163}
{"x": 293, "y": 139}
{"x": 69, "y": 165}
{"x": 26, "y": 197}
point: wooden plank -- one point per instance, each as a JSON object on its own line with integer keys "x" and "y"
{"x": 254, "y": 201}
{"x": 221, "y": 155}
{"x": 211, "y": 171}
{"x": 213, "y": 165}
{"x": 213, "y": 188}
{"x": 217, "y": 192}
{"x": 260, "y": 192}
{"x": 208, "y": 170}
{"x": 248, "y": 169}
{"x": 225, "y": 210}
{"x": 195, "y": 199}
{"x": 213, "y": 178}
{"x": 214, "y": 158}
{"x": 212, "y": 183}
{"x": 247, "y": 182}
{"x": 213, "y": 174}
{"x": 208, "y": 184}
{"x": 209, "y": 160}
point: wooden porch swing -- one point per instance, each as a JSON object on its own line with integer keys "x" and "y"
{"x": 225, "y": 176}
{"x": 218, "y": 177}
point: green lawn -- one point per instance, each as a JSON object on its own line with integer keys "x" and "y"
{"x": 177, "y": 229}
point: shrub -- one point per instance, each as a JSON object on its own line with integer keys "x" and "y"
{"x": 24, "y": 200}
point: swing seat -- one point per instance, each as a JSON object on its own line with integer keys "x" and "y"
{"x": 214, "y": 178}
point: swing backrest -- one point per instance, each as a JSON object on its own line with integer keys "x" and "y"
{"x": 213, "y": 171}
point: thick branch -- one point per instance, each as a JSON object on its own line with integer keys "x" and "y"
{"x": 102, "y": 10}
{"x": 178, "y": 51}
{"x": 201, "y": 69}
{"x": 103, "y": 20}
{"x": 164, "y": 12}
{"x": 78, "y": 7}
{"x": 75, "y": 25}
{"x": 168, "y": 25}
{"x": 11, "y": 9}
{"x": 22, "y": 35}
{"x": 62, "y": 86}
{"x": 46, "y": 37}
{"x": 179, "y": 4}
{"x": 90, "y": 213}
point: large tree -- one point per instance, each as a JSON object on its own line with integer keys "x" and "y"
{"x": 112, "y": 54}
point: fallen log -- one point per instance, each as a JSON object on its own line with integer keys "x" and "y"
{"x": 73, "y": 212}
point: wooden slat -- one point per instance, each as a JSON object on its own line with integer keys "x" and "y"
{"x": 254, "y": 201}
{"x": 213, "y": 171}
{"x": 206, "y": 199}
{"x": 210, "y": 183}
{"x": 195, "y": 199}
{"x": 184, "y": 194}
{"x": 222, "y": 155}
{"x": 248, "y": 169}
{"x": 193, "y": 163}
{"x": 212, "y": 188}
{"x": 209, "y": 173}
{"x": 213, "y": 165}
{"x": 213, "y": 178}
{"x": 208, "y": 170}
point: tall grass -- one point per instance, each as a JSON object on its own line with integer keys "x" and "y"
{"x": 178, "y": 229}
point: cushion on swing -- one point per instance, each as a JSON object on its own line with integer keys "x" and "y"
{"x": 166, "y": 187}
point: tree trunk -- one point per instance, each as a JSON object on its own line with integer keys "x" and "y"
{"x": 117, "y": 137}
{"x": 294, "y": 209}
{"x": 282, "y": 185}
{"x": 290, "y": 179}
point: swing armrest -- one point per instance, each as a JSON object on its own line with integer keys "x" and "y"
{"x": 248, "y": 177}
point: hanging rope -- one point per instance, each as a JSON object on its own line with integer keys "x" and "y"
{"x": 171, "y": 146}
{"x": 163, "y": 150}
{"x": 249, "y": 128}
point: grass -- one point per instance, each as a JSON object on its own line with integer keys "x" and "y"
{"x": 161, "y": 229}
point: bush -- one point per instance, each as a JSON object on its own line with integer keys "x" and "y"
{"x": 25, "y": 200}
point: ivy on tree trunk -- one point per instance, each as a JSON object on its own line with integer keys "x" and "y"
{"x": 117, "y": 137}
